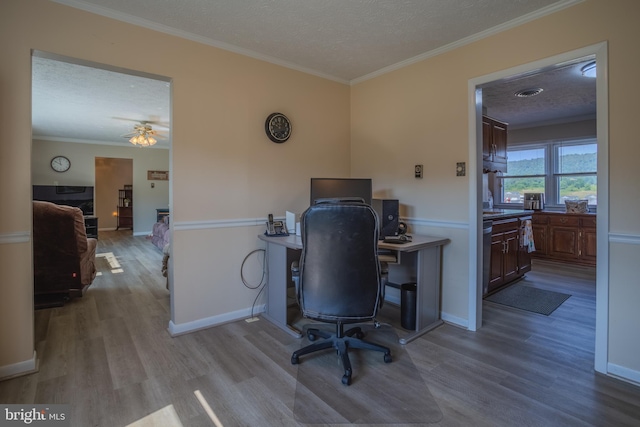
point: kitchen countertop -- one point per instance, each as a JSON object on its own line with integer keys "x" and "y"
{"x": 504, "y": 213}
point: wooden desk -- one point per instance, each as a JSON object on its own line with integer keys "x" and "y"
{"x": 418, "y": 261}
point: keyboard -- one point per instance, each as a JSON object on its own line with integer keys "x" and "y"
{"x": 398, "y": 240}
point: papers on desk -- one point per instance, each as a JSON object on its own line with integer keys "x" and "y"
{"x": 290, "y": 220}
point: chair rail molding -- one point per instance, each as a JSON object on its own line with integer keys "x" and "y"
{"x": 630, "y": 239}
{"x": 15, "y": 237}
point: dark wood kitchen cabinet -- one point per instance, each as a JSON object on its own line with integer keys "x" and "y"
{"x": 494, "y": 145}
{"x": 524, "y": 256}
{"x": 540, "y": 234}
{"x": 504, "y": 253}
{"x": 510, "y": 260}
{"x": 588, "y": 249}
{"x": 564, "y": 237}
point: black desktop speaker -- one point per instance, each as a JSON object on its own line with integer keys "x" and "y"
{"x": 388, "y": 211}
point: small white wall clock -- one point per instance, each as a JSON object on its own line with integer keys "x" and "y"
{"x": 60, "y": 164}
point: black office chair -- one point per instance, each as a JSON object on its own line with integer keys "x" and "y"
{"x": 339, "y": 278}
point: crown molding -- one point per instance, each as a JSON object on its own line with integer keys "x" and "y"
{"x": 109, "y": 13}
{"x": 471, "y": 39}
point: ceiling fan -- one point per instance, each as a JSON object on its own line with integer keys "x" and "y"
{"x": 143, "y": 134}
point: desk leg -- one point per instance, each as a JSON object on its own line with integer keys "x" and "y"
{"x": 276, "y": 311}
{"x": 428, "y": 292}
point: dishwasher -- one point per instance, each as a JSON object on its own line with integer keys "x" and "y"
{"x": 487, "y": 228}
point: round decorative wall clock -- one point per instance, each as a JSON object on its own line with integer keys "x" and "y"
{"x": 278, "y": 127}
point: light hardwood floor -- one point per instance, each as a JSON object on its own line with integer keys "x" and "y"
{"x": 109, "y": 355}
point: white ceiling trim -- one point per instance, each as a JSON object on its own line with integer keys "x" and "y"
{"x": 471, "y": 39}
{"x": 93, "y": 141}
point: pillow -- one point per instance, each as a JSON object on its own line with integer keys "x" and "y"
{"x": 576, "y": 206}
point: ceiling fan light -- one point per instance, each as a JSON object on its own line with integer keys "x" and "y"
{"x": 143, "y": 139}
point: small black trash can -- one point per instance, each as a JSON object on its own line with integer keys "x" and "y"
{"x": 408, "y": 292}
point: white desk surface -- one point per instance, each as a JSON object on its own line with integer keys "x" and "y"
{"x": 418, "y": 242}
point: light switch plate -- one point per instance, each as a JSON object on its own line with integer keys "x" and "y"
{"x": 461, "y": 169}
{"x": 418, "y": 171}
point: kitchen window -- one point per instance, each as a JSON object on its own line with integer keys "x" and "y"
{"x": 563, "y": 170}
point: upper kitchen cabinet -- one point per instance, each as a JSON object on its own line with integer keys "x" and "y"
{"x": 494, "y": 145}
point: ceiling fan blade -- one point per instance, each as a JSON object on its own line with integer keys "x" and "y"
{"x": 144, "y": 122}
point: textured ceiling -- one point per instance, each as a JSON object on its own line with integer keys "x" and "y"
{"x": 340, "y": 39}
{"x": 346, "y": 41}
{"x": 566, "y": 96}
{"x": 78, "y": 103}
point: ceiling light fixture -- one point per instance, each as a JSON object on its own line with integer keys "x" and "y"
{"x": 527, "y": 93}
{"x": 143, "y": 139}
{"x": 589, "y": 70}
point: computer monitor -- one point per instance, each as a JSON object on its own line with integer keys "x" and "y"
{"x": 328, "y": 188}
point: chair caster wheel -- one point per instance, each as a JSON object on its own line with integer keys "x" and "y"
{"x": 387, "y": 358}
{"x": 346, "y": 379}
{"x": 294, "y": 360}
{"x": 311, "y": 336}
{"x": 359, "y": 335}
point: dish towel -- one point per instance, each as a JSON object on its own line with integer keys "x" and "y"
{"x": 526, "y": 236}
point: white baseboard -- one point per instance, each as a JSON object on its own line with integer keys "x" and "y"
{"x": 208, "y": 322}
{"x": 625, "y": 374}
{"x": 458, "y": 321}
{"x": 21, "y": 368}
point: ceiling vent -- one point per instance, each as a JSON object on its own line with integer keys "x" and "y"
{"x": 528, "y": 93}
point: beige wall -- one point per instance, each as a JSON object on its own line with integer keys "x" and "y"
{"x": 84, "y": 171}
{"x": 379, "y": 128}
{"x": 419, "y": 114}
{"x": 224, "y": 169}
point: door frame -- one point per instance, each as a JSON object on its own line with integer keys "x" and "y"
{"x": 600, "y": 51}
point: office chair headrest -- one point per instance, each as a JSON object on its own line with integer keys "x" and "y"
{"x": 351, "y": 200}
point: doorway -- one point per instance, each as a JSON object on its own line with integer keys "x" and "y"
{"x": 112, "y": 175}
{"x": 599, "y": 52}
{"x": 88, "y": 113}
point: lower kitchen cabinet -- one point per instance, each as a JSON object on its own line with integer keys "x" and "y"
{"x": 540, "y": 234}
{"x": 560, "y": 236}
{"x": 509, "y": 260}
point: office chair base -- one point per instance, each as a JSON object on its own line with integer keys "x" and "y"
{"x": 340, "y": 341}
